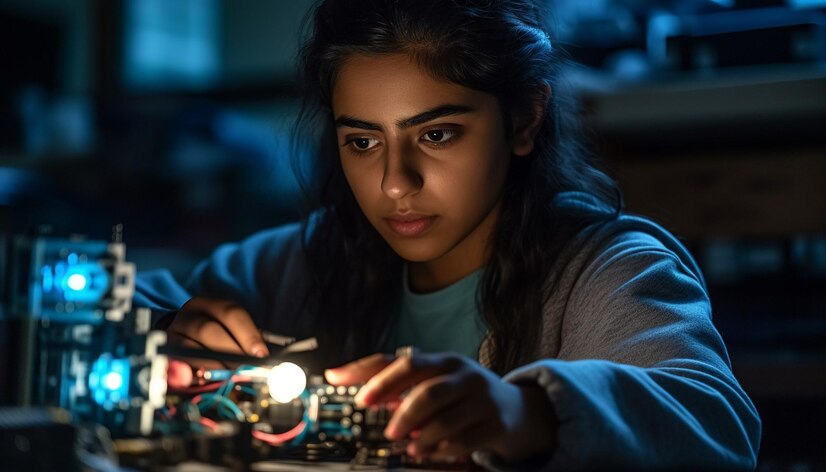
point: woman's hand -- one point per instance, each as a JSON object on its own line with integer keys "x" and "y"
{"x": 454, "y": 405}
{"x": 217, "y": 325}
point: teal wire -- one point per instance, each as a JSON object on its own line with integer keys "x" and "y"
{"x": 208, "y": 400}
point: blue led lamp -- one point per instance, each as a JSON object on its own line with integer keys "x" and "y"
{"x": 109, "y": 382}
{"x": 79, "y": 281}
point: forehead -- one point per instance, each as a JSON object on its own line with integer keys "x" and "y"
{"x": 376, "y": 86}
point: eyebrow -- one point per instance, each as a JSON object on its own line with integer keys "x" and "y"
{"x": 423, "y": 117}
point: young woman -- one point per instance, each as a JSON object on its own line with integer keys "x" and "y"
{"x": 455, "y": 213}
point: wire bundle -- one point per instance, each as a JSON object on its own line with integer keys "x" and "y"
{"x": 216, "y": 396}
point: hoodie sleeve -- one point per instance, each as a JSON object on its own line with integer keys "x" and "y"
{"x": 265, "y": 273}
{"x": 642, "y": 379}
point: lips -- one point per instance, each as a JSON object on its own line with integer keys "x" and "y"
{"x": 410, "y": 225}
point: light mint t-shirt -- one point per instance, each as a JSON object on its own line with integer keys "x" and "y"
{"x": 447, "y": 320}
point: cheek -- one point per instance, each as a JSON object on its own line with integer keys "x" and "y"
{"x": 479, "y": 180}
{"x": 348, "y": 174}
{"x": 361, "y": 182}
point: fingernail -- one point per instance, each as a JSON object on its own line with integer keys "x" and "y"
{"x": 390, "y": 433}
{"x": 361, "y": 397}
{"x": 412, "y": 450}
{"x": 259, "y": 350}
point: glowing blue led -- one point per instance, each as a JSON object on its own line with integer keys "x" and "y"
{"x": 113, "y": 380}
{"x": 109, "y": 381}
{"x": 76, "y": 282}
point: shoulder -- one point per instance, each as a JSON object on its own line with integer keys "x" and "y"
{"x": 619, "y": 243}
{"x": 629, "y": 291}
{"x": 630, "y": 244}
{"x": 264, "y": 256}
{"x": 279, "y": 239}
{"x": 276, "y": 242}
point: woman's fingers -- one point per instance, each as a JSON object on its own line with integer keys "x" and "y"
{"x": 202, "y": 332}
{"x": 449, "y": 452}
{"x": 188, "y": 342}
{"x": 473, "y": 436}
{"x": 234, "y": 319}
{"x": 358, "y": 371}
{"x": 431, "y": 405}
{"x": 448, "y": 410}
{"x": 447, "y": 425}
{"x": 205, "y": 331}
{"x": 404, "y": 373}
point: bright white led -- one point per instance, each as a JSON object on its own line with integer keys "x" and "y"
{"x": 113, "y": 380}
{"x": 286, "y": 382}
{"x": 77, "y": 282}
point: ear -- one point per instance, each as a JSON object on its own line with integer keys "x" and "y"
{"x": 526, "y": 125}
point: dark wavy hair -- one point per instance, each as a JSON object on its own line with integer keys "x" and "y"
{"x": 497, "y": 47}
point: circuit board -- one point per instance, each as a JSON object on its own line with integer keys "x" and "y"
{"x": 84, "y": 350}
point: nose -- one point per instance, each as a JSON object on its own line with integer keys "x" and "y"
{"x": 401, "y": 178}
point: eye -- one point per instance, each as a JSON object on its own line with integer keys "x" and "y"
{"x": 362, "y": 144}
{"x": 439, "y": 136}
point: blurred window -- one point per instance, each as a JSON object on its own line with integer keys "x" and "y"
{"x": 171, "y": 45}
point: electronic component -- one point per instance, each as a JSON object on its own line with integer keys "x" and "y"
{"x": 289, "y": 416}
{"x": 80, "y": 346}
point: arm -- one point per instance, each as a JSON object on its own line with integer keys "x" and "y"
{"x": 642, "y": 378}
{"x": 263, "y": 274}
{"x": 256, "y": 273}
{"x": 238, "y": 288}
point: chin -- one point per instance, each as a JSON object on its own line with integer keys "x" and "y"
{"x": 414, "y": 251}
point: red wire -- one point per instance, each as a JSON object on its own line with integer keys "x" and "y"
{"x": 208, "y": 423}
{"x": 200, "y": 388}
{"x": 211, "y": 386}
{"x": 280, "y": 438}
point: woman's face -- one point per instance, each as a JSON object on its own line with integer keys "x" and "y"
{"x": 426, "y": 159}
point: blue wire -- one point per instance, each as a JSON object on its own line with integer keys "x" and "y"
{"x": 207, "y": 400}
{"x": 233, "y": 407}
{"x": 220, "y": 396}
{"x": 223, "y": 411}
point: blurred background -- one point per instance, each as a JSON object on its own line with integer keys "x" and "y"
{"x": 174, "y": 119}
